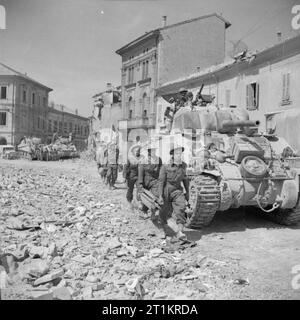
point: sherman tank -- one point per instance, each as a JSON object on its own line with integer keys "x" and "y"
{"x": 231, "y": 165}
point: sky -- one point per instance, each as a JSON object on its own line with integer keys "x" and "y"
{"x": 69, "y": 45}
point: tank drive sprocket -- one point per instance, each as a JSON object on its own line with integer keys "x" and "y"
{"x": 204, "y": 201}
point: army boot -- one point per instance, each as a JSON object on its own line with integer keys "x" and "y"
{"x": 180, "y": 235}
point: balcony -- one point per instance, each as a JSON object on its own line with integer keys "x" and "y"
{"x": 130, "y": 85}
{"x": 135, "y": 123}
{"x": 144, "y": 81}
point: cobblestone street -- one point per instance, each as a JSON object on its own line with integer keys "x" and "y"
{"x": 64, "y": 235}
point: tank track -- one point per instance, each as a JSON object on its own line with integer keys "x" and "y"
{"x": 287, "y": 217}
{"x": 204, "y": 201}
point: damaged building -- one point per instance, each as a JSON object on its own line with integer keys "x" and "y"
{"x": 265, "y": 83}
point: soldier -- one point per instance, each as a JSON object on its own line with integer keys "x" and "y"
{"x": 131, "y": 170}
{"x": 183, "y": 97}
{"x": 149, "y": 172}
{"x": 170, "y": 190}
{"x": 112, "y": 164}
{"x": 102, "y": 154}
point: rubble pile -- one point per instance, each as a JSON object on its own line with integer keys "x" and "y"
{"x": 65, "y": 236}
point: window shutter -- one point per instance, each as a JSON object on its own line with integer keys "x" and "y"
{"x": 132, "y": 75}
{"x": 257, "y": 96}
{"x": 247, "y": 96}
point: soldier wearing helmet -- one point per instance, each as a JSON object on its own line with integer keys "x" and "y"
{"x": 149, "y": 171}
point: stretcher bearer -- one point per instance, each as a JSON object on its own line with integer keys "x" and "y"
{"x": 149, "y": 171}
{"x": 171, "y": 194}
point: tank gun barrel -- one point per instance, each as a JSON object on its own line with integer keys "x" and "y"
{"x": 239, "y": 123}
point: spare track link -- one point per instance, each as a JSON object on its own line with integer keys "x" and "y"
{"x": 204, "y": 201}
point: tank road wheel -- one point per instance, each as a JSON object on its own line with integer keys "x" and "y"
{"x": 204, "y": 201}
{"x": 286, "y": 217}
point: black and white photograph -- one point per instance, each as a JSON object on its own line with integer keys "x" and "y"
{"x": 149, "y": 150}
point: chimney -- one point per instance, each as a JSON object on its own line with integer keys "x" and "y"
{"x": 164, "y": 20}
{"x": 198, "y": 69}
{"x": 279, "y": 34}
{"x": 108, "y": 86}
{"x": 76, "y": 112}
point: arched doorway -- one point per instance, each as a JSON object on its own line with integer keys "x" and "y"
{"x": 3, "y": 141}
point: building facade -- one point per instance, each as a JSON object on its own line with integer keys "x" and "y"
{"x": 266, "y": 84}
{"x": 160, "y": 56}
{"x": 107, "y": 109}
{"x": 66, "y": 123}
{"x": 25, "y": 111}
{"x": 23, "y": 106}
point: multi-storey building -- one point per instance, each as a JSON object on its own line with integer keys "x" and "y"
{"x": 23, "y": 106}
{"x": 107, "y": 109}
{"x": 65, "y": 123}
{"x": 24, "y": 111}
{"x": 163, "y": 55}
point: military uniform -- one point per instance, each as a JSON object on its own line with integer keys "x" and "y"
{"x": 170, "y": 189}
{"x": 148, "y": 175}
{"x": 103, "y": 163}
{"x": 131, "y": 172}
{"x": 112, "y": 163}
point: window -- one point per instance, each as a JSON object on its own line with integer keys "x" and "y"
{"x": 65, "y": 127}
{"x": 145, "y": 104}
{"x": 130, "y": 75}
{"x": 38, "y": 122}
{"x": 43, "y": 124}
{"x": 2, "y": 118}
{"x": 44, "y": 102}
{"x": 252, "y": 96}
{"x": 55, "y": 126}
{"x": 3, "y": 93}
{"x": 33, "y": 99}
{"x": 286, "y": 88}
{"x": 227, "y": 98}
{"x": 49, "y": 126}
{"x": 24, "y": 96}
{"x": 130, "y": 107}
{"x": 60, "y": 126}
{"x": 70, "y": 127}
{"x": 145, "y": 70}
